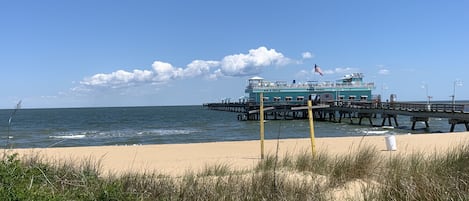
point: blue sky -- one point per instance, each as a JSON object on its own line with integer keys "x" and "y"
{"x": 145, "y": 53}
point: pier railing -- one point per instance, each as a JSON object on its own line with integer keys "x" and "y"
{"x": 307, "y": 85}
{"x": 404, "y": 106}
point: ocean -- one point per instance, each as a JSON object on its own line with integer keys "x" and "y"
{"x": 39, "y": 128}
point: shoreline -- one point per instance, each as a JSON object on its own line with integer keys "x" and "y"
{"x": 177, "y": 159}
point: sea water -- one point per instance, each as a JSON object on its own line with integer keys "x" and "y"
{"x": 34, "y": 128}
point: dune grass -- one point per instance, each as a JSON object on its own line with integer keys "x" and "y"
{"x": 415, "y": 176}
{"x": 423, "y": 176}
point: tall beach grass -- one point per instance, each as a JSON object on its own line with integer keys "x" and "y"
{"x": 363, "y": 175}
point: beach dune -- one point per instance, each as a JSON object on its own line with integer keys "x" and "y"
{"x": 177, "y": 159}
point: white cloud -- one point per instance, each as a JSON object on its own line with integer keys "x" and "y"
{"x": 310, "y": 72}
{"x": 307, "y": 55}
{"x": 251, "y": 63}
{"x": 165, "y": 71}
{"x": 118, "y": 78}
{"x": 216, "y": 75}
{"x": 199, "y": 67}
{"x": 339, "y": 70}
{"x": 345, "y": 70}
{"x": 304, "y": 74}
{"x": 384, "y": 72}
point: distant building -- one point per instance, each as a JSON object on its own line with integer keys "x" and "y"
{"x": 350, "y": 88}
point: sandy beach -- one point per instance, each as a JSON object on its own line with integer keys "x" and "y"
{"x": 176, "y": 159}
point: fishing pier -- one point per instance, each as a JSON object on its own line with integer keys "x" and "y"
{"x": 339, "y": 111}
{"x": 347, "y": 99}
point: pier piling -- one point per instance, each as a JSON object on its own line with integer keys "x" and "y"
{"x": 389, "y": 117}
{"x": 419, "y": 119}
{"x": 365, "y": 115}
{"x": 454, "y": 122}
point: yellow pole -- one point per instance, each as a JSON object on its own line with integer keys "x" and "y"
{"x": 261, "y": 123}
{"x": 311, "y": 128}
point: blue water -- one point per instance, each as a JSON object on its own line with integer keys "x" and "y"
{"x": 168, "y": 125}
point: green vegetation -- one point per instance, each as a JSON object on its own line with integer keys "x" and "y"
{"x": 367, "y": 174}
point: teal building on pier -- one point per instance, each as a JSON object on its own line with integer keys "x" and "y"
{"x": 349, "y": 88}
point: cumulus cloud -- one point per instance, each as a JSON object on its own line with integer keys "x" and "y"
{"x": 307, "y": 55}
{"x": 166, "y": 72}
{"x": 118, "y": 78}
{"x": 248, "y": 64}
{"x": 200, "y": 67}
{"x": 251, "y": 63}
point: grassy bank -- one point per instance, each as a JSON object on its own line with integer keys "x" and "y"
{"x": 362, "y": 175}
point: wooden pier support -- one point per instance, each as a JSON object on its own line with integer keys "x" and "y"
{"x": 332, "y": 116}
{"x": 420, "y": 119}
{"x": 365, "y": 115}
{"x": 388, "y": 117}
{"x": 342, "y": 114}
{"x": 453, "y": 123}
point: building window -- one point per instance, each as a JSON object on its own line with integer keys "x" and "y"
{"x": 288, "y": 98}
{"x": 363, "y": 98}
{"x": 277, "y": 99}
{"x": 341, "y": 97}
{"x": 266, "y": 98}
{"x": 300, "y": 98}
{"x": 351, "y": 98}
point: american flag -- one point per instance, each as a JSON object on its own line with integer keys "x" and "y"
{"x": 318, "y": 70}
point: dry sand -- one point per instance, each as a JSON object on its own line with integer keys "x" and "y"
{"x": 176, "y": 159}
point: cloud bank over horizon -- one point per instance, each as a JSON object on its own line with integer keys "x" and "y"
{"x": 235, "y": 65}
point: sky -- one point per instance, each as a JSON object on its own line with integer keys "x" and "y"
{"x": 109, "y": 53}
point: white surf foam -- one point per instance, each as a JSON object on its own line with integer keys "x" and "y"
{"x": 376, "y": 132}
{"x": 68, "y": 136}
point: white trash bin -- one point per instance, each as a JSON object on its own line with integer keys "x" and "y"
{"x": 391, "y": 142}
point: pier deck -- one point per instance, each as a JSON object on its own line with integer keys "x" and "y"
{"x": 418, "y": 112}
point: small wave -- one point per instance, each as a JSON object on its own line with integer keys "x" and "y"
{"x": 68, "y": 136}
{"x": 162, "y": 132}
{"x": 376, "y": 132}
{"x": 73, "y": 134}
{"x": 123, "y": 133}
